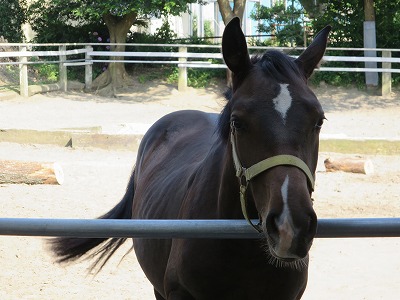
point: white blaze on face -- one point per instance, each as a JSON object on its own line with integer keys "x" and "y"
{"x": 285, "y": 223}
{"x": 283, "y": 101}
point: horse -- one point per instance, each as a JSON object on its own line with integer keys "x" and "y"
{"x": 254, "y": 160}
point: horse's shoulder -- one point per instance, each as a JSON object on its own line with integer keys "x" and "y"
{"x": 179, "y": 136}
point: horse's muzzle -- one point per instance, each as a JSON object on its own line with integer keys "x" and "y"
{"x": 290, "y": 239}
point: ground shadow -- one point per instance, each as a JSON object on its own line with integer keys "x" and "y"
{"x": 339, "y": 99}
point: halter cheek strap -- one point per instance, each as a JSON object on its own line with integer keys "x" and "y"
{"x": 246, "y": 174}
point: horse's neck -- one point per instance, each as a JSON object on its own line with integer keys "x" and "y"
{"x": 214, "y": 191}
{"x": 229, "y": 206}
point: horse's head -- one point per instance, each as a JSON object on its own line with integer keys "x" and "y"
{"x": 274, "y": 123}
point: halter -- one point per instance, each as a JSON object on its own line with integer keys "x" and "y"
{"x": 246, "y": 174}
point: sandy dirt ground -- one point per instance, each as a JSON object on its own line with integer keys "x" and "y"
{"x": 95, "y": 180}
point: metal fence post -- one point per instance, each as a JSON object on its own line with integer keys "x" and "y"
{"x": 386, "y": 76}
{"x": 182, "y": 74}
{"x": 63, "y": 68}
{"x": 88, "y": 69}
{"x": 23, "y": 73}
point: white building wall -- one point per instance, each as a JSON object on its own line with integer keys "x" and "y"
{"x": 183, "y": 25}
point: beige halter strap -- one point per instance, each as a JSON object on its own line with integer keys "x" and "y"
{"x": 246, "y": 174}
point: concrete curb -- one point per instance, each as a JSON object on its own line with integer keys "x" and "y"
{"x": 93, "y": 138}
{"x": 72, "y": 139}
{"x": 8, "y": 95}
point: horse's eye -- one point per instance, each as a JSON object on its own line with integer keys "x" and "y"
{"x": 319, "y": 124}
{"x": 236, "y": 124}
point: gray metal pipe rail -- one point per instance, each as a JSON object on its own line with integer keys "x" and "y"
{"x": 164, "y": 229}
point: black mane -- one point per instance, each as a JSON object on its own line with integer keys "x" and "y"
{"x": 280, "y": 66}
{"x": 275, "y": 64}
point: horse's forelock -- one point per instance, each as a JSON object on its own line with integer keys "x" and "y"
{"x": 279, "y": 66}
{"x": 274, "y": 64}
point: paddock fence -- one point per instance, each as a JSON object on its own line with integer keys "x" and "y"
{"x": 166, "y": 229}
{"x": 182, "y": 55}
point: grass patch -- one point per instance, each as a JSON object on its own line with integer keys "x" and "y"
{"x": 372, "y": 147}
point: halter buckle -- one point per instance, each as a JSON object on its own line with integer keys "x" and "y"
{"x": 242, "y": 178}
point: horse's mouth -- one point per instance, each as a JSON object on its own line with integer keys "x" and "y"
{"x": 286, "y": 262}
{"x": 283, "y": 259}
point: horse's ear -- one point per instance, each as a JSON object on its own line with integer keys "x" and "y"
{"x": 234, "y": 47}
{"x": 311, "y": 57}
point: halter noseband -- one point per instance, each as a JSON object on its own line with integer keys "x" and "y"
{"x": 246, "y": 174}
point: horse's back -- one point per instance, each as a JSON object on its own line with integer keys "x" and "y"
{"x": 167, "y": 159}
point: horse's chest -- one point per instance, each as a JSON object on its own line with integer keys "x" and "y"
{"x": 215, "y": 270}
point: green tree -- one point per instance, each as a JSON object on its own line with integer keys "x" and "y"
{"x": 346, "y": 19}
{"x": 117, "y": 15}
{"x": 53, "y": 26}
{"x": 12, "y": 16}
{"x": 284, "y": 23}
{"x": 387, "y": 16}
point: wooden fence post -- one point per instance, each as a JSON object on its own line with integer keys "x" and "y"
{"x": 23, "y": 73}
{"x": 88, "y": 69}
{"x": 386, "y": 76}
{"x": 182, "y": 74}
{"x": 63, "y": 68}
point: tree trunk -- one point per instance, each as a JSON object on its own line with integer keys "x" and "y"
{"x": 369, "y": 11}
{"x": 352, "y": 165}
{"x": 25, "y": 172}
{"x": 226, "y": 11}
{"x": 115, "y": 76}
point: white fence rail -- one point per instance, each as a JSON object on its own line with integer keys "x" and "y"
{"x": 180, "y": 57}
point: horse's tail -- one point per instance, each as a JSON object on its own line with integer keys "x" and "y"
{"x": 71, "y": 249}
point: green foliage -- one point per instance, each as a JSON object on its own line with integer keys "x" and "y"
{"x": 48, "y": 72}
{"x": 284, "y": 23}
{"x": 74, "y": 20}
{"x": 58, "y": 24}
{"x": 12, "y": 16}
{"x": 208, "y": 32}
{"x": 347, "y": 20}
{"x": 387, "y": 23}
{"x": 83, "y": 11}
{"x": 165, "y": 34}
{"x": 197, "y": 78}
{"x": 200, "y": 78}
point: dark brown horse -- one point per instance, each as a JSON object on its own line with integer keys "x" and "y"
{"x": 257, "y": 159}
